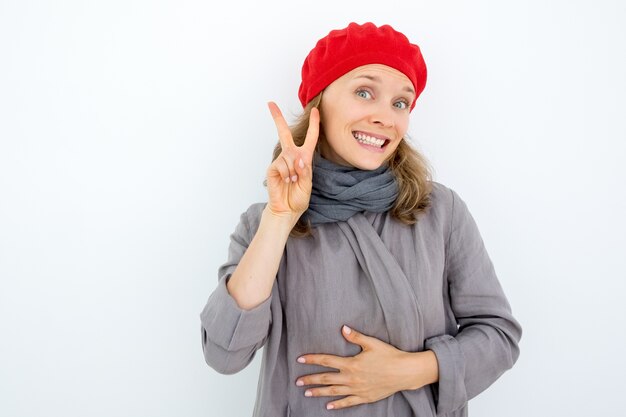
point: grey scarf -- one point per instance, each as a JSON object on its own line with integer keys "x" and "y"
{"x": 339, "y": 192}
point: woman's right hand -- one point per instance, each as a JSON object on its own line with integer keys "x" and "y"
{"x": 289, "y": 177}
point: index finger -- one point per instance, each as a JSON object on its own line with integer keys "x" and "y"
{"x": 284, "y": 133}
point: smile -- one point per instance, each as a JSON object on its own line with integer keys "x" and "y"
{"x": 377, "y": 142}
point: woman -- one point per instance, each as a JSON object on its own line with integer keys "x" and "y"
{"x": 367, "y": 283}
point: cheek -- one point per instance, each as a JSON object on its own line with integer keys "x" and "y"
{"x": 395, "y": 146}
{"x": 347, "y": 112}
{"x": 403, "y": 126}
{"x": 342, "y": 123}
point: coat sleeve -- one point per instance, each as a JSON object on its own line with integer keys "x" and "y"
{"x": 231, "y": 335}
{"x": 486, "y": 344}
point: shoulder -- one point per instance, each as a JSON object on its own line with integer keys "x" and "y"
{"x": 254, "y": 211}
{"x": 453, "y": 211}
{"x": 442, "y": 198}
{"x": 446, "y": 206}
{"x": 251, "y": 218}
{"x": 248, "y": 225}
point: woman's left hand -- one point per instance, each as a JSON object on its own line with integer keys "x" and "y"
{"x": 378, "y": 371}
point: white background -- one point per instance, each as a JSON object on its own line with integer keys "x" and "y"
{"x": 134, "y": 133}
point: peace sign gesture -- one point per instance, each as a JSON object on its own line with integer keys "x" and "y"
{"x": 289, "y": 177}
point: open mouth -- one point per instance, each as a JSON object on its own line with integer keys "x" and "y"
{"x": 370, "y": 140}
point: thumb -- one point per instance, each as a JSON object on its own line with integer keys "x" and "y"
{"x": 358, "y": 338}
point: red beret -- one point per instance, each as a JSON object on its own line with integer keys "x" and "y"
{"x": 343, "y": 50}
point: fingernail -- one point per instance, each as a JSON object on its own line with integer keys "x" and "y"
{"x": 299, "y": 383}
{"x": 301, "y": 163}
{"x": 330, "y": 406}
{"x": 307, "y": 393}
{"x": 294, "y": 178}
{"x": 346, "y": 329}
{"x": 301, "y": 359}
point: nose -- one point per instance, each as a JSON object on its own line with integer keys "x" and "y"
{"x": 382, "y": 116}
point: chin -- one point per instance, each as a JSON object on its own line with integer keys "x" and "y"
{"x": 368, "y": 165}
{"x": 367, "y": 160}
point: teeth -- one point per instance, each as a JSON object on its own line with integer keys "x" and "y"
{"x": 368, "y": 139}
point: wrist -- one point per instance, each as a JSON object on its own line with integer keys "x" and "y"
{"x": 279, "y": 221}
{"x": 422, "y": 369}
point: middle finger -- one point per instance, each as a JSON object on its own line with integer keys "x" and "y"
{"x": 328, "y": 378}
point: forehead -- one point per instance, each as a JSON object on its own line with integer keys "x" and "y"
{"x": 380, "y": 71}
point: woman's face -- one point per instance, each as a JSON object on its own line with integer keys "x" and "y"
{"x": 365, "y": 114}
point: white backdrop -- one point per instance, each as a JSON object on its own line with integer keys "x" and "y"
{"x": 133, "y": 134}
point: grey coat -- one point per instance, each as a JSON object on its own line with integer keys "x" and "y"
{"x": 430, "y": 286}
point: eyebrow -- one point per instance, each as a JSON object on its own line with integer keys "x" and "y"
{"x": 377, "y": 80}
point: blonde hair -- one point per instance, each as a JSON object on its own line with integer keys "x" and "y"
{"x": 411, "y": 169}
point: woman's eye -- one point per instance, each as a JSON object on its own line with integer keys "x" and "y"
{"x": 402, "y": 104}
{"x": 363, "y": 93}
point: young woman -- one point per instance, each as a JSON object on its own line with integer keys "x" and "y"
{"x": 367, "y": 283}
